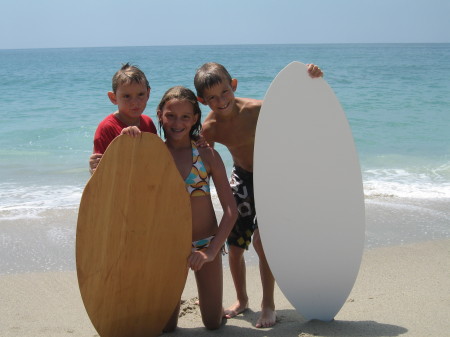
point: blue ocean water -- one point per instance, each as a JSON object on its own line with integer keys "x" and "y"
{"x": 396, "y": 97}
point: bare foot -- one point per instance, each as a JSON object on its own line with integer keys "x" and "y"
{"x": 267, "y": 319}
{"x": 236, "y": 309}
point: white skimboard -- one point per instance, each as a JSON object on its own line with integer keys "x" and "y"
{"x": 309, "y": 195}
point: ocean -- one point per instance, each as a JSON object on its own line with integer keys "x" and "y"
{"x": 396, "y": 98}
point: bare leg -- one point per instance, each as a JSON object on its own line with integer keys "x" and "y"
{"x": 268, "y": 315}
{"x": 210, "y": 293}
{"x": 238, "y": 270}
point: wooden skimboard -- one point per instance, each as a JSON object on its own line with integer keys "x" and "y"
{"x": 133, "y": 238}
{"x": 308, "y": 193}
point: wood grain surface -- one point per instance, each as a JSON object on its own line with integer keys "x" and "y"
{"x": 133, "y": 238}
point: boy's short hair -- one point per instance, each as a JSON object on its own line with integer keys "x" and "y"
{"x": 208, "y": 75}
{"x": 128, "y": 74}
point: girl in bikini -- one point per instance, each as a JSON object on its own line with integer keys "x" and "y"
{"x": 179, "y": 117}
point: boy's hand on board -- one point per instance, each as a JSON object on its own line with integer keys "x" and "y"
{"x": 94, "y": 159}
{"x": 132, "y": 131}
{"x": 314, "y": 71}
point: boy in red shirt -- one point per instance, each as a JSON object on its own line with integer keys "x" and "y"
{"x": 130, "y": 92}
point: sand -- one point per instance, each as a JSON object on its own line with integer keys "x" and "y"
{"x": 400, "y": 291}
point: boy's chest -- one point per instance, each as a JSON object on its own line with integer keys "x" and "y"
{"x": 233, "y": 134}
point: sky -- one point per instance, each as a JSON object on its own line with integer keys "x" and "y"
{"x": 99, "y": 23}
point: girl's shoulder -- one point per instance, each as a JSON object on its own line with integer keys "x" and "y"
{"x": 209, "y": 156}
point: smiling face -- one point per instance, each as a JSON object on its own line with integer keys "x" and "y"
{"x": 220, "y": 97}
{"x": 131, "y": 100}
{"x": 177, "y": 109}
{"x": 177, "y": 118}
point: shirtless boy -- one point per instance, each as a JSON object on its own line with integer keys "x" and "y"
{"x": 232, "y": 122}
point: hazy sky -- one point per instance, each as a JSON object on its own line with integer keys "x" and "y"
{"x": 90, "y": 23}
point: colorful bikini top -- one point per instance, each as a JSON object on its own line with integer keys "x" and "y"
{"x": 197, "y": 182}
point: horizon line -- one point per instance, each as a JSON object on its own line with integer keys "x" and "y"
{"x": 225, "y": 44}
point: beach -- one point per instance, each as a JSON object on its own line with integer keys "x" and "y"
{"x": 396, "y": 100}
{"x": 401, "y": 290}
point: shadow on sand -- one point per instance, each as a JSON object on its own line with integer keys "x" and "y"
{"x": 291, "y": 324}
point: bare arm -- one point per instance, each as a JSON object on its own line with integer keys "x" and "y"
{"x": 207, "y": 133}
{"x": 230, "y": 213}
{"x": 227, "y": 202}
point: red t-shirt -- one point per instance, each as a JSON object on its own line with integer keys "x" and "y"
{"x": 111, "y": 127}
